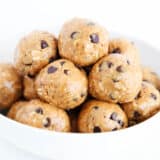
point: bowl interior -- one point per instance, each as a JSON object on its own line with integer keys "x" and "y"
{"x": 61, "y": 145}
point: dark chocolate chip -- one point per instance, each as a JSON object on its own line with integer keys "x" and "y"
{"x": 82, "y": 94}
{"x": 47, "y": 122}
{"x": 110, "y": 64}
{"x": 73, "y": 35}
{"x": 94, "y": 38}
{"x": 121, "y": 123}
{"x": 52, "y": 69}
{"x": 66, "y": 71}
{"x": 116, "y": 51}
{"x": 145, "y": 80}
{"x": 39, "y": 110}
{"x": 44, "y": 44}
{"x": 153, "y": 96}
{"x": 51, "y": 59}
{"x": 95, "y": 107}
{"x": 115, "y": 80}
{"x": 62, "y": 63}
{"x": 114, "y": 129}
{"x": 105, "y": 63}
{"x": 128, "y": 62}
{"x": 119, "y": 69}
{"x": 28, "y": 64}
{"x": 138, "y": 95}
{"x": 96, "y": 129}
{"x": 136, "y": 114}
{"x": 113, "y": 116}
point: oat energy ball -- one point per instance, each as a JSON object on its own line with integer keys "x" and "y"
{"x": 82, "y": 41}
{"x": 15, "y": 108}
{"x": 10, "y": 85}
{"x": 150, "y": 76}
{"x": 62, "y": 84}
{"x": 41, "y": 115}
{"x": 124, "y": 47}
{"x": 34, "y": 52}
{"x": 98, "y": 116}
{"x": 115, "y": 79}
{"x": 146, "y": 104}
{"x": 29, "y": 90}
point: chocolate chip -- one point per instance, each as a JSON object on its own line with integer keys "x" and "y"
{"x": 52, "y": 69}
{"x": 136, "y": 114}
{"x": 113, "y": 116}
{"x": 74, "y": 34}
{"x": 62, "y": 63}
{"x": 44, "y": 44}
{"x": 39, "y": 110}
{"x": 82, "y": 95}
{"x": 94, "y": 38}
{"x": 114, "y": 129}
{"x": 120, "y": 69}
{"x": 96, "y": 129}
{"x": 47, "y": 122}
{"x": 128, "y": 62}
{"x": 28, "y": 64}
{"x": 115, "y": 80}
{"x": 51, "y": 59}
{"x": 110, "y": 64}
{"x": 121, "y": 123}
{"x": 66, "y": 71}
{"x": 116, "y": 51}
{"x": 95, "y": 107}
{"x": 145, "y": 80}
{"x": 138, "y": 95}
{"x": 153, "y": 96}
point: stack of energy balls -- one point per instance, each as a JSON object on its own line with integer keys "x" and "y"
{"x": 82, "y": 82}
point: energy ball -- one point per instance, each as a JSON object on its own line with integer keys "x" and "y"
{"x": 115, "y": 79}
{"x": 146, "y": 104}
{"x": 41, "y": 115}
{"x": 150, "y": 76}
{"x": 10, "y": 85}
{"x": 83, "y": 41}
{"x": 98, "y": 116}
{"x": 124, "y": 47}
{"x": 34, "y": 52}
{"x": 62, "y": 84}
{"x": 29, "y": 91}
{"x": 15, "y": 108}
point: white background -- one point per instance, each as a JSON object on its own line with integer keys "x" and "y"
{"x": 138, "y": 18}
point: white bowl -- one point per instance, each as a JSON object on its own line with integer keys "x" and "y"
{"x": 138, "y": 142}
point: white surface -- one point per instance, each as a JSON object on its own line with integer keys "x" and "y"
{"x": 136, "y": 18}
